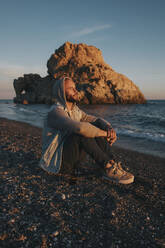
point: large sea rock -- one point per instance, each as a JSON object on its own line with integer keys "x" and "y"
{"x": 96, "y": 81}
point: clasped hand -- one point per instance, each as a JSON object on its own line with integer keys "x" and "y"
{"x": 111, "y": 136}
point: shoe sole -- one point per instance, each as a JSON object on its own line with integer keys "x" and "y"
{"x": 128, "y": 181}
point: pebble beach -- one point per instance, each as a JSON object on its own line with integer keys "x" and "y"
{"x": 44, "y": 210}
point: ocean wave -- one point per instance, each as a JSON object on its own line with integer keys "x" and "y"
{"x": 145, "y": 121}
{"x": 25, "y": 113}
{"x": 153, "y": 121}
{"x": 27, "y": 110}
{"x": 158, "y": 137}
{"x": 150, "y": 117}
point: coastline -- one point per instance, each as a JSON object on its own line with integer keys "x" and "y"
{"x": 139, "y": 132}
{"x": 46, "y": 210}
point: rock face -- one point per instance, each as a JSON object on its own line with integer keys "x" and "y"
{"x": 33, "y": 89}
{"x": 96, "y": 81}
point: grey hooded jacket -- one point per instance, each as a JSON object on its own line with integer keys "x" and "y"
{"x": 60, "y": 123}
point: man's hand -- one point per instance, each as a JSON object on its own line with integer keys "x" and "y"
{"x": 111, "y": 136}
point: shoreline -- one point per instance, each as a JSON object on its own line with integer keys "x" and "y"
{"x": 118, "y": 146}
{"x": 142, "y": 140}
{"x": 45, "y": 210}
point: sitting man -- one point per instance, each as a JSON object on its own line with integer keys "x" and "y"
{"x": 69, "y": 131}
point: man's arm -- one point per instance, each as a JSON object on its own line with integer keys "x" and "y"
{"x": 100, "y": 122}
{"x": 87, "y": 118}
{"x": 58, "y": 119}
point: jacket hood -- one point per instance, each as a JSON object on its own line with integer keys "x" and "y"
{"x": 59, "y": 91}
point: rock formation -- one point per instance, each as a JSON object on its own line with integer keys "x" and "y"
{"x": 33, "y": 89}
{"x": 96, "y": 81}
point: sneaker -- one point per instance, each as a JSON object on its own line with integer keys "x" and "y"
{"x": 121, "y": 168}
{"x": 117, "y": 174}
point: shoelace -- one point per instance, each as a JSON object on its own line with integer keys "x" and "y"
{"x": 116, "y": 169}
{"x": 120, "y": 167}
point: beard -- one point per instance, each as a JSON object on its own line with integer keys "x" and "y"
{"x": 72, "y": 99}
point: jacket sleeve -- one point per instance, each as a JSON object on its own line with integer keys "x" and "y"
{"x": 102, "y": 123}
{"x": 58, "y": 119}
{"x": 87, "y": 118}
{"x": 99, "y": 122}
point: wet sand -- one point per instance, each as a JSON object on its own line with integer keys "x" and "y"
{"x": 43, "y": 210}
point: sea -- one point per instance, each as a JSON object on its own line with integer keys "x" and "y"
{"x": 139, "y": 127}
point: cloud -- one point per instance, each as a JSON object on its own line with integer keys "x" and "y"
{"x": 90, "y": 30}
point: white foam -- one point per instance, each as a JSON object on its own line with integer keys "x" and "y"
{"x": 159, "y": 137}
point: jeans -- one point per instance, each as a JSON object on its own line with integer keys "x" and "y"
{"x": 75, "y": 148}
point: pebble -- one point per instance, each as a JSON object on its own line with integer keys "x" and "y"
{"x": 56, "y": 233}
{"x": 121, "y": 205}
{"x": 63, "y": 196}
{"x": 113, "y": 213}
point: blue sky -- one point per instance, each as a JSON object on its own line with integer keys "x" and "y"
{"x": 130, "y": 34}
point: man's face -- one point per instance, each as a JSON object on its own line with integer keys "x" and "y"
{"x": 70, "y": 91}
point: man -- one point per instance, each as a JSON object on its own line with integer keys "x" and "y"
{"x": 69, "y": 132}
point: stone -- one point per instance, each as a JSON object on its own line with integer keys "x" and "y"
{"x": 31, "y": 88}
{"x": 95, "y": 80}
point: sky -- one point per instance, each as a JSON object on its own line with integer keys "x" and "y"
{"x": 130, "y": 34}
